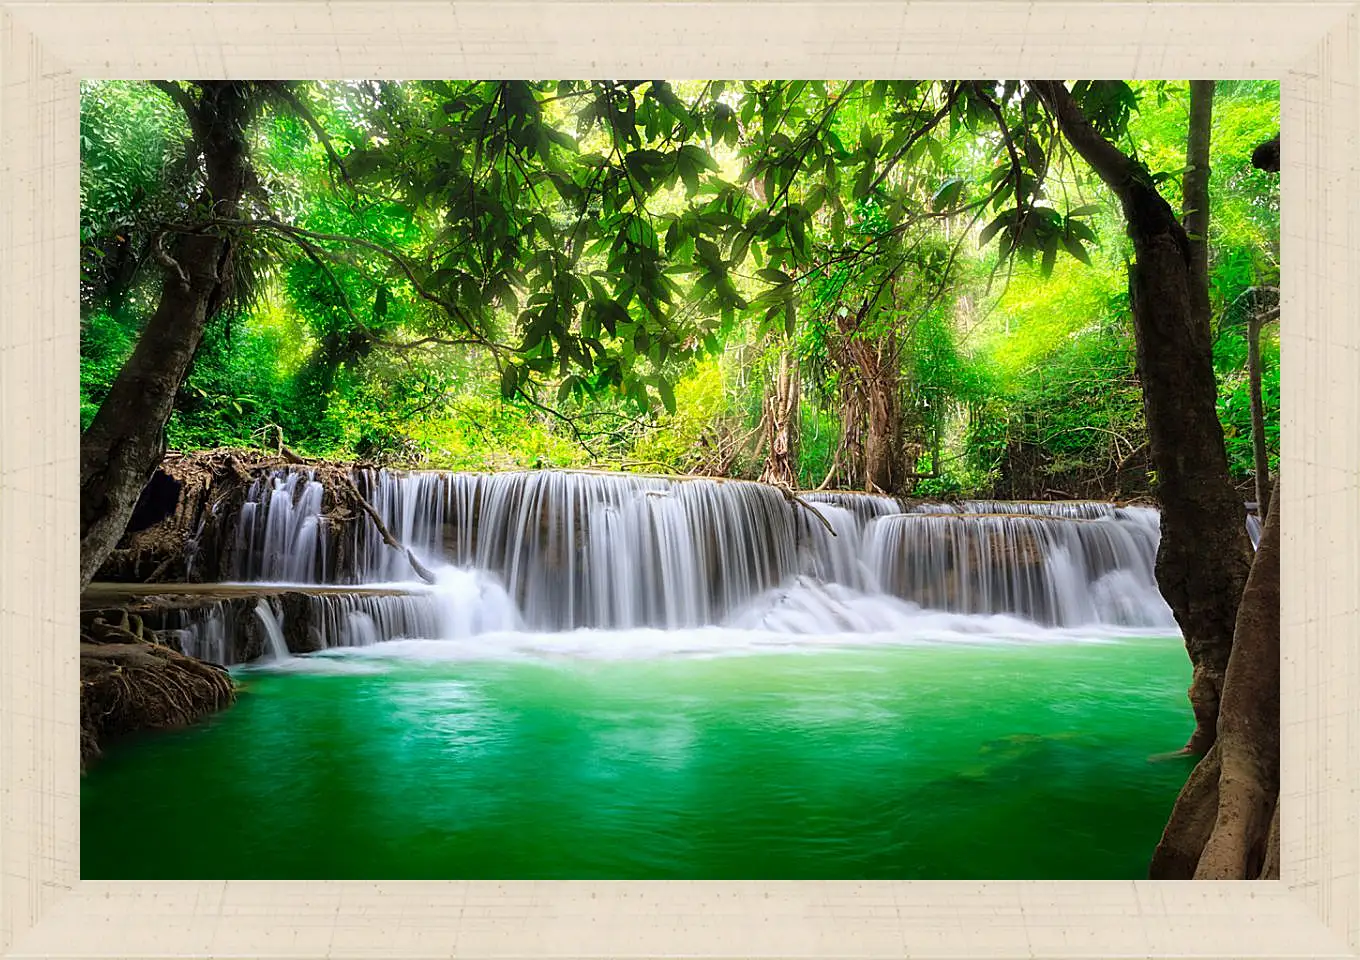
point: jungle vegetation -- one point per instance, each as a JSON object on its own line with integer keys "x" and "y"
{"x": 598, "y": 277}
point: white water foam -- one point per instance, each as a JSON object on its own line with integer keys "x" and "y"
{"x": 802, "y": 617}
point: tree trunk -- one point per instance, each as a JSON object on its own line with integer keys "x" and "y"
{"x": 1195, "y": 195}
{"x": 1225, "y": 824}
{"x": 1205, "y": 555}
{"x": 781, "y": 423}
{"x": 1258, "y": 419}
{"x": 847, "y": 469}
{"x": 883, "y": 442}
{"x": 872, "y": 407}
{"x": 126, "y": 440}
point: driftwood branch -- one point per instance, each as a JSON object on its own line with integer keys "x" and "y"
{"x": 386, "y": 534}
{"x": 792, "y": 497}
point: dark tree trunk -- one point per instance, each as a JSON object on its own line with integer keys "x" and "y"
{"x": 1205, "y": 555}
{"x": 1195, "y": 195}
{"x": 113, "y": 270}
{"x": 1225, "y": 824}
{"x": 126, "y": 440}
{"x": 781, "y": 423}
{"x": 1267, "y": 155}
{"x": 847, "y": 462}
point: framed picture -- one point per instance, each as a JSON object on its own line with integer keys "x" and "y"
{"x": 792, "y": 508}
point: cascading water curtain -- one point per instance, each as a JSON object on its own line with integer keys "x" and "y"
{"x": 558, "y": 550}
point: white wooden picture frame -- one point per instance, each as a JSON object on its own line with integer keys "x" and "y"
{"x": 47, "y": 47}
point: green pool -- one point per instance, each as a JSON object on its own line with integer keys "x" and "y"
{"x": 945, "y": 761}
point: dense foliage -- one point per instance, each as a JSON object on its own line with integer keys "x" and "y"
{"x": 484, "y": 275}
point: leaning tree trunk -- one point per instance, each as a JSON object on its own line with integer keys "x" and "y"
{"x": 781, "y": 423}
{"x": 1226, "y": 822}
{"x": 1195, "y": 196}
{"x": 1264, "y": 157}
{"x": 1205, "y": 555}
{"x": 126, "y": 440}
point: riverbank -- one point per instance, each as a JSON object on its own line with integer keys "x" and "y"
{"x": 131, "y": 681}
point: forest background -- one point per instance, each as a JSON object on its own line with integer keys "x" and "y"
{"x": 818, "y": 283}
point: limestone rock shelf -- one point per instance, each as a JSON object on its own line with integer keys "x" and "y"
{"x": 227, "y": 623}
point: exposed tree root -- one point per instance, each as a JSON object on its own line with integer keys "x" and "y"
{"x": 1191, "y": 823}
{"x": 1225, "y": 824}
{"x": 1270, "y": 869}
{"x": 127, "y": 684}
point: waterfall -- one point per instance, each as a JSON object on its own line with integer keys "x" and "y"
{"x": 279, "y": 536}
{"x": 1080, "y": 564}
{"x": 580, "y": 549}
{"x": 547, "y": 551}
{"x": 206, "y": 636}
{"x": 273, "y": 631}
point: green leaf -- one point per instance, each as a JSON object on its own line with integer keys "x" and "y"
{"x": 674, "y": 236}
{"x": 948, "y": 194}
{"x": 509, "y": 381}
{"x": 561, "y": 138}
{"x": 699, "y": 156}
{"x": 663, "y": 390}
{"x": 708, "y": 252}
{"x": 1081, "y": 231}
{"x": 863, "y": 180}
{"x": 690, "y": 176}
{"x": 1075, "y": 248}
{"x": 1050, "y": 256}
{"x": 877, "y": 90}
{"x": 990, "y": 230}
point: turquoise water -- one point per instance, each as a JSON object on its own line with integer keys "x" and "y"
{"x": 942, "y": 761}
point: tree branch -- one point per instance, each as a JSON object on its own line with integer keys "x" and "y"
{"x": 1017, "y": 170}
{"x": 1109, "y": 163}
{"x": 289, "y": 96}
{"x": 930, "y": 125}
{"x": 185, "y": 102}
{"x": 398, "y": 259}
